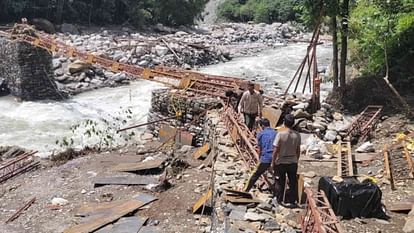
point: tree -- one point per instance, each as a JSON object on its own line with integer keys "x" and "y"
{"x": 344, "y": 43}
{"x": 333, "y": 13}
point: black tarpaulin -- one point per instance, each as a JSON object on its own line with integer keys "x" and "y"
{"x": 351, "y": 198}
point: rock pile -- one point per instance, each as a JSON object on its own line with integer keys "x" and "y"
{"x": 328, "y": 124}
{"x": 75, "y": 76}
{"x": 27, "y": 71}
{"x": 166, "y": 103}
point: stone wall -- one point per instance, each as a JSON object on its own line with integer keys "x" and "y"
{"x": 163, "y": 103}
{"x": 27, "y": 71}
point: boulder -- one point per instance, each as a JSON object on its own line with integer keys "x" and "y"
{"x": 337, "y": 116}
{"x": 330, "y": 135}
{"x": 44, "y": 25}
{"x": 140, "y": 50}
{"x": 300, "y": 106}
{"x": 365, "y": 148}
{"x": 118, "y": 55}
{"x": 78, "y": 66}
{"x": 56, "y": 63}
{"x": 161, "y": 50}
{"x": 300, "y": 113}
{"x": 69, "y": 28}
{"x": 318, "y": 125}
{"x": 59, "y": 201}
{"x": 61, "y": 78}
{"x": 250, "y": 216}
{"x": 119, "y": 77}
{"x": 143, "y": 63}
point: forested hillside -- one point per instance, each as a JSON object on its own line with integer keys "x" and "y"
{"x": 100, "y": 12}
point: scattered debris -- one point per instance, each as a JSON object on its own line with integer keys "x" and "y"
{"x": 112, "y": 214}
{"x": 19, "y": 211}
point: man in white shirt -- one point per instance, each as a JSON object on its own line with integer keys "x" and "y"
{"x": 251, "y": 104}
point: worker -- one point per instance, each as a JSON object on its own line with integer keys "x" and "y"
{"x": 265, "y": 141}
{"x": 285, "y": 158}
{"x": 251, "y": 104}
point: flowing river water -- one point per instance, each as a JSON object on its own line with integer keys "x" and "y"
{"x": 38, "y": 125}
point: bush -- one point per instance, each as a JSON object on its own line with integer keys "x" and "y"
{"x": 261, "y": 11}
{"x": 389, "y": 25}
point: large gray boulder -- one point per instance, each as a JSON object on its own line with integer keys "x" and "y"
{"x": 69, "y": 28}
{"x": 44, "y": 25}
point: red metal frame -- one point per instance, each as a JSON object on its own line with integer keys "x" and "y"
{"x": 17, "y": 165}
{"x": 318, "y": 217}
{"x": 363, "y": 124}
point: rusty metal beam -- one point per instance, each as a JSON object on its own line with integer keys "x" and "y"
{"x": 20, "y": 164}
{"x": 318, "y": 216}
{"x": 144, "y": 124}
{"x": 388, "y": 169}
{"x": 212, "y": 85}
{"x": 19, "y": 211}
{"x": 364, "y": 123}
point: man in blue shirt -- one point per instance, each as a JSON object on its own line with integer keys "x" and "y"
{"x": 265, "y": 140}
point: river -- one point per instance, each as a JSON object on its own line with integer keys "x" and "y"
{"x": 38, "y": 125}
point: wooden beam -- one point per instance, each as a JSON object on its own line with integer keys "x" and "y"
{"x": 388, "y": 169}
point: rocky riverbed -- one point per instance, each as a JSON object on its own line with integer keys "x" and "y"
{"x": 187, "y": 48}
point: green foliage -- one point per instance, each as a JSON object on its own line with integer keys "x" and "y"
{"x": 103, "y": 132}
{"x": 379, "y": 25}
{"x": 261, "y": 11}
{"x": 138, "y": 13}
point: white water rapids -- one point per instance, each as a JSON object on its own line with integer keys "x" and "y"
{"x": 37, "y": 125}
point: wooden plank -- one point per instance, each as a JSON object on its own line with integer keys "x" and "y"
{"x": 201, "y": 151}
{"x": 387, "y": 164}
{"x": 350, "y": 159}
{"x": 272, "y": 114}
{"x": 112, "y": 214}
{"x": 202, "y": 201}
{"x": 234, "y": 134}
{"x": 96, "y": 208}
{"x": 301, "y": 187}
{"x": 240, "y": 200}
{"x": 402, "y": 206}
{"x": 409, "y": 161}
{"x": 130, "y": 167}
{"x": 231, "y": 192}
{"x": 339, "y": 160}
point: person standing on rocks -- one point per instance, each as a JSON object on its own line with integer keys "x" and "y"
{"x": 285, "y": 161}
{"x": 251, "y": 104}
{"x": 265, "y": 140}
